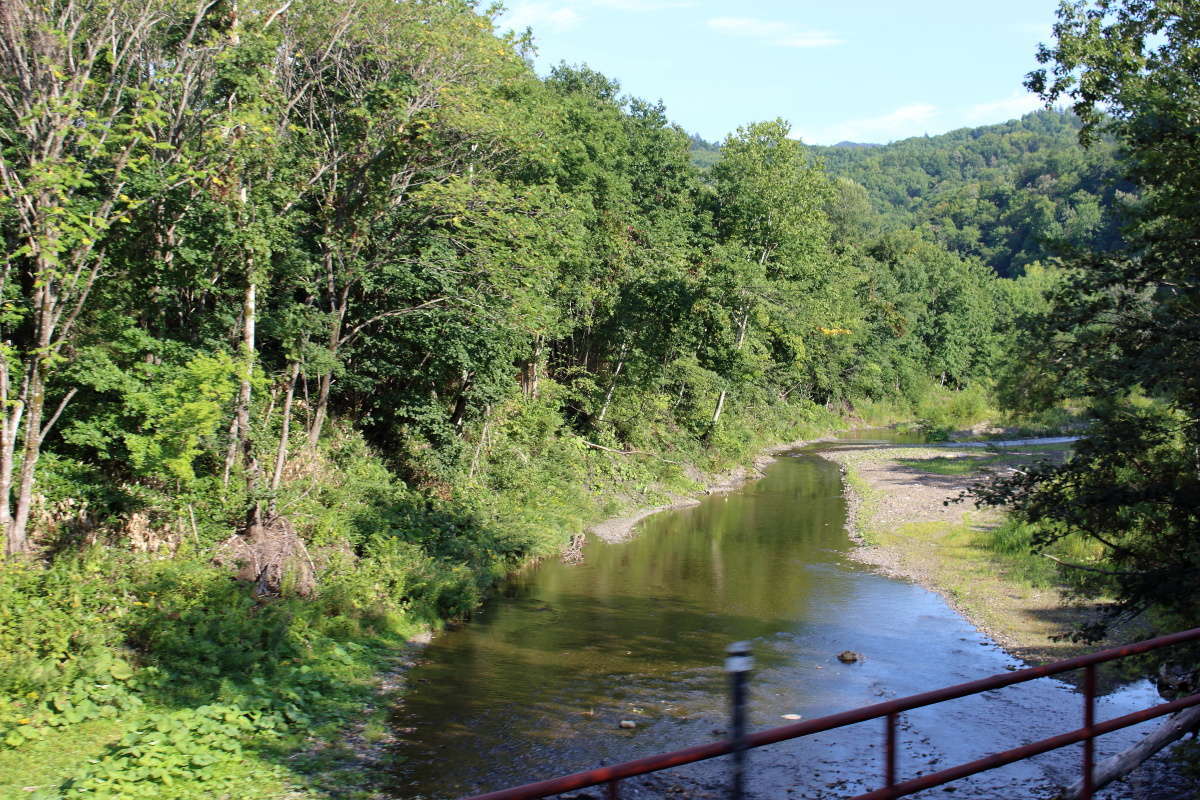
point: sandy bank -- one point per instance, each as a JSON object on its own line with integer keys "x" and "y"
{"x": 906, "y": 523}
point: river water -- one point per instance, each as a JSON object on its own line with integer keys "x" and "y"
{"x": 535, "y": 686}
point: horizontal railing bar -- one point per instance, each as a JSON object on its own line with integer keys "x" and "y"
{"x": 594, "y": 777}
{"x": 690, "y": 755}
{"x": 923, "y": 782}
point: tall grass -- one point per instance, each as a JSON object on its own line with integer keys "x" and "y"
{"x": 1012, "y": 541}
{"x": 935, "y": 408}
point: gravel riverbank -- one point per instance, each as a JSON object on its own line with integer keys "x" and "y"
{"x": 905, "y": 517}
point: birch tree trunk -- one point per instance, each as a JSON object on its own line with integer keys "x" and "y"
{"x": 285, "y": 429}
{"x": 738, "y": 347}
{"x": 612, "y": 387}
{"x": 341, "y": 303}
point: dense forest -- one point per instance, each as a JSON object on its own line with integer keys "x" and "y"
{"x": 1012, "y": 194}
{"x": 344, "y": 301}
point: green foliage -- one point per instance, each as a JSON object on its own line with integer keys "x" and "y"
{"x": 1010, "y": 194}
{"x": 1123, "y": 330}
{"x": 82, "y": 701}
{"x": 56, "y": 625}
{"x": 194, "y": 747}
{"x": 178, "y": 413}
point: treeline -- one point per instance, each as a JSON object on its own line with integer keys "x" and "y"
{"x": 1011, "y": 194}
{"x": 343, "y": 299}
{"x": 226, "y": 225}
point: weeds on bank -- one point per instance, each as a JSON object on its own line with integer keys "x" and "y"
{"x": 1012, "y": 543}
{"x": 126, "y": 675}
{"x": 936, "y": 409}
{"x": 223, "y": 685}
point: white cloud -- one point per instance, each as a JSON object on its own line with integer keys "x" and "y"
{"x": 643, "y": 5}
{"x": 910, "y": 120}
{"x": 782, "y": 34}
{"x": 747, "y": 26}
{"x": 557, "y": 16}
{"x": 553, "y": 17}
{"x": 1017, "y": 105}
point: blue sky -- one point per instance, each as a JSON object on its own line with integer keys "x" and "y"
{"x": 862, "y": 70}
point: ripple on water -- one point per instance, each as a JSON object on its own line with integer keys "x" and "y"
{"x": 537, "y": 684}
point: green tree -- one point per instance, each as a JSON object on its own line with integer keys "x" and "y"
{"x": 79, "y": 103}
{"x": 1127, "y": 325}
{"x": 769, "y": 218}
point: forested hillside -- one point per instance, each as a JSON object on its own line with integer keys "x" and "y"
{"x": 343, "y": 300}
{"x": 1123, "y": 332}
{"x": 1010, "y": 194}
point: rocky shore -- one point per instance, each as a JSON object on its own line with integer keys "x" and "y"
{"x": 907, "y": 520}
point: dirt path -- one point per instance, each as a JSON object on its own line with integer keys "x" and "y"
{"x": 906, "y": 519}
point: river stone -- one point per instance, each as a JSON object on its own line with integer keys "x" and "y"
{"x": 848, "y": 657}
{"x": 628, "y": 724}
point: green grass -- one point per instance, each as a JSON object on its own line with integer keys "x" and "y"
{"x": 950, "y": 465}
{"x": 36, "y": 771}
{"x": 1011, "y": 542}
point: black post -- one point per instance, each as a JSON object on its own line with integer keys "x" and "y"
{"x": 738, "y": 665}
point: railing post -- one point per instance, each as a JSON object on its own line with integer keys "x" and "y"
{"x": 738, "y": 665}
{"x": 1089, "y": 722}
{"x": 889, "y": 764}
{"x": 613, "y": 790}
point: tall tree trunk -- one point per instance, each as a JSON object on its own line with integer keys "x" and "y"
{"x": 720, "y": 407}
{"x": 738, "y": 346}
{"x": 34, "y": 394}
{"x": 612, "y": 387}
{"x": 12, "y": 410}
{"x": 285, "y": 428}
{"x": 459, "y": 413}
{"x": 249, "y": 351}
{"x": 483, "y": 434}
{"x": 340, "y": 302}
{"x": 18, "y": 530}
{"x": 239, "y": 429}
{"x": 532, "y": 372}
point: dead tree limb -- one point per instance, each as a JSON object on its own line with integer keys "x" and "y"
{"x": 1108, "y": 770}
{"x": 627, "y": 452}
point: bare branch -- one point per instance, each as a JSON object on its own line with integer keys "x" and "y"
{"x": 58, "y": 413}
{"x": 396, "y": 313}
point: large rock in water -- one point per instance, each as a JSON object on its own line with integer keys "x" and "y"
{"x": 848, "y": 657}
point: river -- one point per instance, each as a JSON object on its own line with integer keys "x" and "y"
{"x": 535, "y": 686}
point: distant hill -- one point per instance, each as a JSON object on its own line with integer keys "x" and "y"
{"x": 856, "y": 144}
{"x": 1009, "y": 194}
{"x": 704, "y": 154}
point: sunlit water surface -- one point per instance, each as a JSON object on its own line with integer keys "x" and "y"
{"x": 536, "y": 684}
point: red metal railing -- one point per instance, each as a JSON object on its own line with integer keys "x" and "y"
{"x": 890, "y": 712}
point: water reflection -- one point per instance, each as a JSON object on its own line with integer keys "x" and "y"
{"x": 535, "y": 686}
